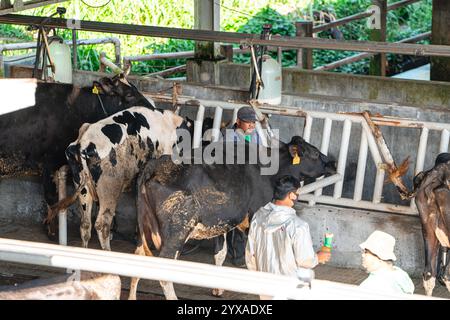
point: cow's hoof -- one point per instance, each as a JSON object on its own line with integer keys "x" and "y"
{"x": 428, "y": 285}
{"x": 217, "y": 292}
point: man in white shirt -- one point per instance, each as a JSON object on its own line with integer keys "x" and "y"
{"x": 378, "y": 260}
{"x": 279, "y": 241}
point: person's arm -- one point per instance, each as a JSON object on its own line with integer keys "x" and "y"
{"x": 305, "y": 256}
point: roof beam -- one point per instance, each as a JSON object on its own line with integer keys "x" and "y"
{"x": 20, "y": 5}
{"x": 233, "y": 37}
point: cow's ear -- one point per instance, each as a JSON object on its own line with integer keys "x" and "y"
{"x": 107, "y": 86}
{"x": 293, "y": 150}
{"x": 97, "y": 88}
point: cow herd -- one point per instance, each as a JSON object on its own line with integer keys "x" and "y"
{"x": 113, "y": 138}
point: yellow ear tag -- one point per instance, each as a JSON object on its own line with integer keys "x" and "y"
{"x": 95, "y": 90}
{"x": 296, "y": 159}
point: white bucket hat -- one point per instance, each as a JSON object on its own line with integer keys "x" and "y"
{"x": 380, "y": 243}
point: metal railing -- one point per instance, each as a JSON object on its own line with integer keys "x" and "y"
{"x": 359, "y": 16}
{"x": 32, "y": 45}
{"x": 185, "y": 272}
{"x": 367, "y": 145}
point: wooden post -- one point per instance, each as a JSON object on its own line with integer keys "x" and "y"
{"x": 74, "y": 49}
{"x": 440, "y": 67}
{"x": 5, "y": 4}
{"x": 304, "y": 56}
{"x": 378, "y": 33}
{"x": 206, "y": 17}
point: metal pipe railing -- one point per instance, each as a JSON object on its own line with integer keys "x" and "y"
{"x": 359, "y": 16}
{"x": 32, "y": 45}
{"x": 185, "y": 272}
{"x": 365, "y": 55}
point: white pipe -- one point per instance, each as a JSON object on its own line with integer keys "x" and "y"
{"x": 343, "y": 152}
{"x": 443, "y": 147}
{"x": 183, "y": 272}
{"x": 198, "y": 124}
{"x": 361, "y": 169}
{"x": 216, "y": 124}
{"x": 378, "y": 188}
{"x": 421, "y": 151}
{"x": 420, "y": 159}
{"x": 362, "y": 204}
{"x": 375, "y": 153}
{"x": 261, "y": 133}
{"x": 320, "y": 184}
{"x": 324, "y": 145}
{"x": 235, "y": 111}
{"x": 307, "y": 128}
{"x": 62, "y": 215}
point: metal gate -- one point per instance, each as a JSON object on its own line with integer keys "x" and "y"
{"x": 312, "y": 193}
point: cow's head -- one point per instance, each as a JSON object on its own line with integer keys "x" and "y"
{"x": 307, "y": 161}
{"x": 120, "y": 87}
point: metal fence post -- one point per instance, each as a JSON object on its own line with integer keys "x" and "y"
{"x": 304, "y": 56}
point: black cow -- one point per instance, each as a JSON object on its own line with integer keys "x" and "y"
{"x": 33, "y": 140}
{"x": 176, "y": 202}
{"x": 433, "y": 203}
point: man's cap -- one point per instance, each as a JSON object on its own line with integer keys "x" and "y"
{"x": 247, "y": 114}
{"x": 381, "y": 244}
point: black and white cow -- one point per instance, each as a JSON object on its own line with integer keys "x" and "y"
{"x": 178, "y": 202}
{"x": 107, "y": 157}
{"x": 33, "y": 139}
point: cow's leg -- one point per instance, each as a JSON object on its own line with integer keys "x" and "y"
{"x": 219, "y": 257}
{"x": 86, "y": 204}
{"x": 428, "y": 214}
{"x": 431, "y": 255}
{"x": 108, "y": 189}
{"x": 167, "y": 287}
{"x": 134, "y": 281}
{"x": 171, "y": 248}
{"x": 103, "y": 225}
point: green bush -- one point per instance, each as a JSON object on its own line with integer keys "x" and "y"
{"x": 236, "y": 16}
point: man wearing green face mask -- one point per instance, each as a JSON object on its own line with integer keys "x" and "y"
{"x": 244, "y": 128}
{"x": 242, "y": 131}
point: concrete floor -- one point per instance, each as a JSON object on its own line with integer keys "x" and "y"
{"x": 11, "y": 273}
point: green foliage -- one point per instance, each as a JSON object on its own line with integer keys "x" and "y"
{"x": 13, "y": 33}
{"x": 236, "y": 16}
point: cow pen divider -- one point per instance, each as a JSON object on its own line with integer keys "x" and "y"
{"x": 368, "y": 143}
{"x": 185, "y": 272}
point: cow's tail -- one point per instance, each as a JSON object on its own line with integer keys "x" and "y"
{"x": 61, "y": 205}
{"x": 148, "y": 223}
{"x": 79, "y": 167}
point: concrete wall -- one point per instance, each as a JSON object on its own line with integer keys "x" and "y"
{"x": 381, "y": 89}
{"x": 352, "y": 227}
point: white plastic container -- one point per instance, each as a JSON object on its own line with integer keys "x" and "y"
{"x": 271, "y": 77}
{"x": 60, "y": 53}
